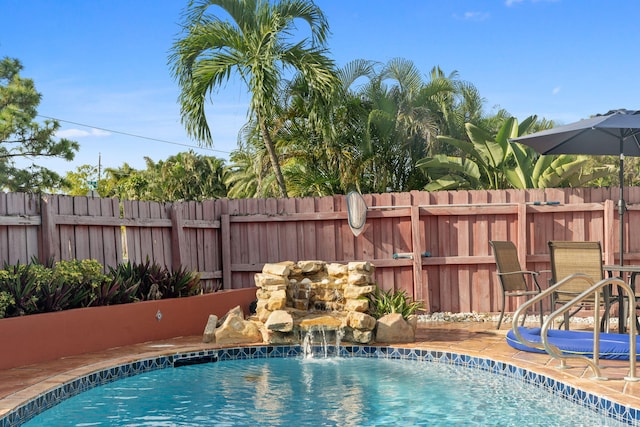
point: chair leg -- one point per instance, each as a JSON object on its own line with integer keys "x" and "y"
{"x": 541, "y": 314}
{"x": 501, "y": 316}
{"x": 504, "y": 303}
{"x": 604, "y": 322}
{"x": 567, "y": 317}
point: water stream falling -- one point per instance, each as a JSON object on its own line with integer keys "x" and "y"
{"x": 309, "y": 342}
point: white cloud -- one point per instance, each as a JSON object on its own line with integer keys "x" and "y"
{"x": 78, "y": 133}
{"x": 555, "y": 90}
{"x": 475, "y": 16}
{"x": 510, "y": 3}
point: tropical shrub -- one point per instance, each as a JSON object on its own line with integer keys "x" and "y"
{"x": 5, "y": 301}
{"x": 67, "y": 284}
{"x": 157, "y": 281}
{"x": 182, "y": 283}
{"x": 121, "y": 287}
{"x": 38, "y": 287}
{"x": 19, "y": 282}
{"x": 392, "y": 301}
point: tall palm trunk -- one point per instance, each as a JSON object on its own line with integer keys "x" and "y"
{"x": 271, "y": 149}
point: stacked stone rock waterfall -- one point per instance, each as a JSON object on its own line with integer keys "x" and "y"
{"x": 295, "y": 299}
{"x": 308, "y": 303}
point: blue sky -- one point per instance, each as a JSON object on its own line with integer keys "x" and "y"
{"x": 103, "y": 63}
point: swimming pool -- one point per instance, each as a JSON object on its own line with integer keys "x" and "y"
{"x": 369, "y": 392}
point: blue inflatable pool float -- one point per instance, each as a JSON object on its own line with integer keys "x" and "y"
{"x": 612, "y": 346}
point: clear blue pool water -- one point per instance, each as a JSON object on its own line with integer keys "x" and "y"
{"x": 318, "y": 392}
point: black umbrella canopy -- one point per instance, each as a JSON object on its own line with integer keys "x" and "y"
{"x": 614, "y": 133}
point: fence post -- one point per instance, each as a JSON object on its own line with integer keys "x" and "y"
{"x": 48, "y": 228}
{"x": 418, "y": 293}
{"x": 608, "y": 232}
{"x": 178, "y": 242}
{"x": 225, "y": 243}
{"x": 521, "y": 244}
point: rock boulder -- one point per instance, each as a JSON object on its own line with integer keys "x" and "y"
{"x": 393, "y": 328}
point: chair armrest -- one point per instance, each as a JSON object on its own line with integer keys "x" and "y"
{"x": 533, "y": 273}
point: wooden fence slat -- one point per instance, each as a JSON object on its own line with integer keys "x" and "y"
{"x": 348, "y": 239}
{"x": 287, "y": 232}
{"x": 307, "y": 230}
{"x": 402, "y": 228}
{"x": 81, "y": 232}
{"x": 417, "y": 258}
{"x": 145, "y": 241}
{"x": 198, "y": 233}
{"x": 160, "y": 247}
{"x": 364, "y": 242}
{"x": 325, "y": 233}
{"x": 273, "y": 246}
{"x": 226, "y": 251}
{"x": 179, "y": 254}
{"x": 133, "y": 234}
{"x": 383, "y": 246}
{"x": 96, "y": 236}
{"x": 4, "y": 228}
{"x": 209, "y": 263}
{"x": 465, "y": 246}
{"x": 66, "y": 237}
{"x": 48, "y": 248}
{"x": 485, "y": 288}
{"x": 112, "y": 236}
{"x": 17, "y": 235}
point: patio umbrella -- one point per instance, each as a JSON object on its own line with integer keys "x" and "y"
{"x": 613, "y": 133}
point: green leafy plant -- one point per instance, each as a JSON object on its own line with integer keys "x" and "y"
{"x": 182, "y": 283}
{"x": 19, "y": 282}
{"x": 6, "y": 301}
{"x": 38, "y": 287}
{"x": 157, "y": 281}
{"x": 120, "y": 288}
{"x": 68, "y": 284}
{"x": 392, "y": 301}
{"x": 151, "y": 276}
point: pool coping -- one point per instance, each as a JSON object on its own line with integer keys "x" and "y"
{"x": 75, "y": 385}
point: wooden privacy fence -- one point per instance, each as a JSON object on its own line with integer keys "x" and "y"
{"x": 435, "y": 246}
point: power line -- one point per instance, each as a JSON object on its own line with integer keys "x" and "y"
{"x": 134, "y": 135}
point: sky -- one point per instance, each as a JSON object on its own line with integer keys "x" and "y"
{"x": 102, "y": 66}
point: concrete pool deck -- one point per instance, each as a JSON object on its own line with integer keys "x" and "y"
{"x": 481, "y": 339}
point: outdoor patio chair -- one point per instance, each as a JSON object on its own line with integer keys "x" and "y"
{"x": 512, "y": 277}
{"x": 569, "y": 258}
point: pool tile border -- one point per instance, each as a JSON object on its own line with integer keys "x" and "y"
{"x": 52, "y": 397}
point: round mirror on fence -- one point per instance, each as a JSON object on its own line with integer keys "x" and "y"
{"x": 357, "y": 212}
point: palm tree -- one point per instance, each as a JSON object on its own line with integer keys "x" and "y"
{"x": 395, "y": 119}
{"x": 253, "y": 44}
{"x": 452, "y": 103}
{"x": 190, "y": 176}
{"x": 398, "y": 123}
{"x": 185, "y": 176}
{"x": 248, "y": 174}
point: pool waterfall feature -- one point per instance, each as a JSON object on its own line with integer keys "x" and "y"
{"x": 321, "y": 342}
{"x": 314, "y": 302}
